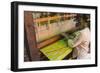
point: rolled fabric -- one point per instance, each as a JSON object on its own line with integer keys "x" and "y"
{"x": 73, "y": 38}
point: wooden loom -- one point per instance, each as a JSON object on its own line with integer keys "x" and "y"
{"x": 32, "y": 46}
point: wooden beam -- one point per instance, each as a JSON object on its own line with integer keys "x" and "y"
{"x": 48, "y": 41}
{"x": 30, "y": 34}
{"x": 52, "y": 18}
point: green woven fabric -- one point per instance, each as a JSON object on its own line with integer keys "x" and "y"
{"x": 57, "y": 50}
{"x": 73, "y": 38}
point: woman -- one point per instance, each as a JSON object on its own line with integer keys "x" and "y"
{"x": 81, "y": 46}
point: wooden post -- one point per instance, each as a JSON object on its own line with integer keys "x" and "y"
{"x": 30, "y": 35}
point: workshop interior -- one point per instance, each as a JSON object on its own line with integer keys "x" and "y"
{"x": 52, "y": 36}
